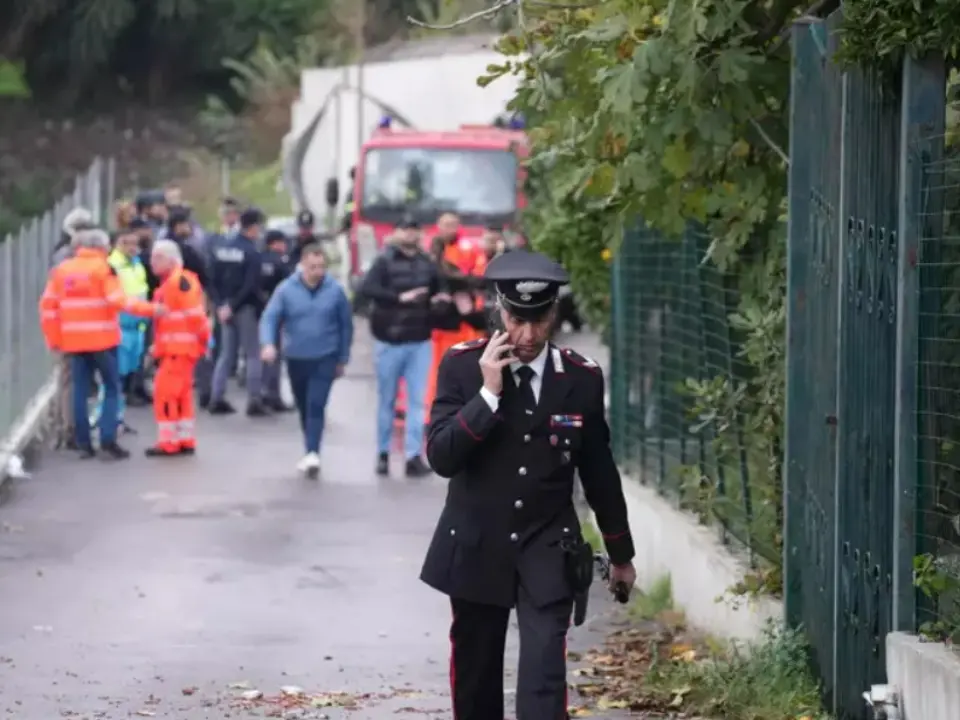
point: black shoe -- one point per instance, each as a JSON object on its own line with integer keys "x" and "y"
{"x": 204, "y": 401}
{"x": 188, "y": 451}
{"x": 155, "y": 451}
{"x": 383, "y": 464}
{"x": 416, "y": 467}
{"x": 221, "y": 407}
{"x": 86, "y": 452}
{"x": 277, "y": 405}
{"x": 256, "y": 409}
{"x": 114, "y": 451}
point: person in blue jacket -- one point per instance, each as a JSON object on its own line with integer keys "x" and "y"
{"x": 316, "y": 319}
{"x": 235, "y": 275}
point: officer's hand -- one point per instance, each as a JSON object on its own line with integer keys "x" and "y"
{"x": 268, "y": 353}
{"x": 224, "y": 313}
{"x": 496, "y": 356}
{"x": 624, "y": 576}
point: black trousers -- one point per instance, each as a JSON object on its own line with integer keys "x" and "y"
{"x": 477, "y": 639}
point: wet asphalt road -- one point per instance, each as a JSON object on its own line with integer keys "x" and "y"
{"x": 167, "y": 588}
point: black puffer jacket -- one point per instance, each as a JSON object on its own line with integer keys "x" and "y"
{"x": 393, "y": 273}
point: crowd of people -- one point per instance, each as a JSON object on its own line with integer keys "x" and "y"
{"x": 267, "y": 303}
{"x": 161, "y": 297}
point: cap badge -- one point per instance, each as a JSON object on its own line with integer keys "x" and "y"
{"x": 527, "y": 287}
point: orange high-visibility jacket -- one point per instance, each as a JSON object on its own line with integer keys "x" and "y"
{"x": 183, "y": 331}
{"x": 80, "y": 306}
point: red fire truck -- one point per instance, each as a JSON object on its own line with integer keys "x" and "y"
{"x": 476, "y": 172}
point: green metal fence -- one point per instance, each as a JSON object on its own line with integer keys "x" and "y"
{"x": 671, "y": 330}
{"x": 871, "y": 473}
{"x": 938, "y": 430}
{"x": 861, "y": 151}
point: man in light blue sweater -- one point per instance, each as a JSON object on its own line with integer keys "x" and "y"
{"x": 314, "y": 314}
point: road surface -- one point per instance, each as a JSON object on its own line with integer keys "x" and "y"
{"x": 183, "y": 588}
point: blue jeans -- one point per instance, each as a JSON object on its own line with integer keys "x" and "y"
{"x": 310, "y": 381}
{"x": 410, "y": 361}
{"x": 83, "y": 367}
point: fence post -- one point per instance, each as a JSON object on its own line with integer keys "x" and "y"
{"x": 922, "y": 120}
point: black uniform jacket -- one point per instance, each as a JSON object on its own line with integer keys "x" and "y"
{"x": 510, "y": 498}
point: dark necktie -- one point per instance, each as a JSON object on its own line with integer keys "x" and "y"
{"x": 526, "y": 374}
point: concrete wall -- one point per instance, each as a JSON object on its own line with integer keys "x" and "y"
{"x": 926, "y": 675}
{"x": 701, "y": 569}
{"x": 671, "y": 542}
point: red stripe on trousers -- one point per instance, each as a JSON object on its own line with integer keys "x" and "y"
{"x": 453, "y": 662}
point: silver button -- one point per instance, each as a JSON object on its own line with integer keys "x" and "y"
{"x": 568, "y": 442}
{"x": 513, "y": 537}
{"x": 526, "y": 438}
{"x": 453, "y": 531}
{"x": 566, "y": 530}
{"x": 518, "y": 504}
{"x": 522, "y": 471}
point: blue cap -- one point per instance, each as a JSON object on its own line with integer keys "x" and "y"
{"x": 385, "y": 122}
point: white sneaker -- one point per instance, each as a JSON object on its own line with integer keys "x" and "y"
{"x": 309, "y": 465}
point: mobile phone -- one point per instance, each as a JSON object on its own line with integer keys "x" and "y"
{"x": 494, "y": 321}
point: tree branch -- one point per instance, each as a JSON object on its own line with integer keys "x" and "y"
{"x": 486, "y": 14}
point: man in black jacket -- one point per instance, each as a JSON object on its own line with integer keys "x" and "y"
{"x": 180, "y": 229}
{"x": 403, "y": 285}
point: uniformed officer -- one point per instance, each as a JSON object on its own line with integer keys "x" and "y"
{"x": 513, "y": 419}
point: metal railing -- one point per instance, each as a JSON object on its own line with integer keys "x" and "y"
{"x": 26, "y": 366}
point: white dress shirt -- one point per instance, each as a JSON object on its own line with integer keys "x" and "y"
{"x": 538, "y": 364}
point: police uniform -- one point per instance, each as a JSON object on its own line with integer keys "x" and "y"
{"x": 509, "y": 509}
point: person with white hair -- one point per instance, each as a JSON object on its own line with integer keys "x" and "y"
{"x": 180, "y": 339}
{"x": 76, "y": 220}
{"x": 79, "y": 316}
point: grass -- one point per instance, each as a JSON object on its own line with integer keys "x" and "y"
{"x": 767, "y": 680}
{"x": 660, "y": 664}
{"x": 655, "y": 602}
{"x": 256, "y": 186}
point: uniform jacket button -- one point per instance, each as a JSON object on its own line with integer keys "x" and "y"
{"x": 453, "y": 531}
{"x": 518, "y": 504}
{"x": 526, "y": 438}
{"x": 523, "y": 471}
{"x": 514, "y": 537}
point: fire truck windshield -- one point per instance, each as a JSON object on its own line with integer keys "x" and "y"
{"x": 480, "y": 185}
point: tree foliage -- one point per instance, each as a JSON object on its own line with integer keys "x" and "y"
{"x": 671, "y": 113}
{"x": 879, "y": 33}
{"x": 75, "y": 52}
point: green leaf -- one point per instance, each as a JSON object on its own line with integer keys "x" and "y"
{"x": 677, "y": 159}
{"x": 12, "y": 80}
{"x": 618, "y": 86}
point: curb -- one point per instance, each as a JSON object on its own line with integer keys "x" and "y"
{"x": 29, "y": 424}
